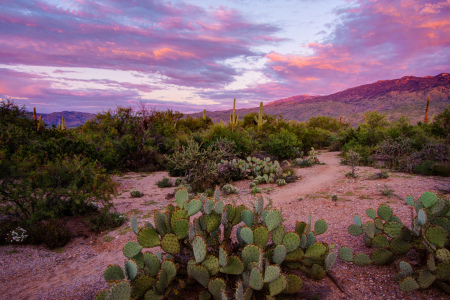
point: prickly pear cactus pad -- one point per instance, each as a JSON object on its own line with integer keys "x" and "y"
{"x": 428, "y": 235}
{"x": 202, "y": 250}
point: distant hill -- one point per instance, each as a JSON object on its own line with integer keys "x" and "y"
{"x": 407, "y": 95}
{"x": 71, "y": 118}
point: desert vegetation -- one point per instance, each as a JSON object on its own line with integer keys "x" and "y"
{"x": 51, "y": 174}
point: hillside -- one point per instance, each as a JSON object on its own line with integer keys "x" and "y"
{"x": 72, "y": 118}
{"x": 407, "y": 95}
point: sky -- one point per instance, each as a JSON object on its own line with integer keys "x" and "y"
{"x": 91, "y": 56}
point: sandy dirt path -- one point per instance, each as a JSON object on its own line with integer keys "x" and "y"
{"x": 76, "y": 272}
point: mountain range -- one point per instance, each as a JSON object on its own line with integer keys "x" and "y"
{"x": 394, "y": 98}
{"x": 405, "y": 96}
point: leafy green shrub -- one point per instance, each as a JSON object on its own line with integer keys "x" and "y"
{"x": 106, "y": 220}
{"x": 63, "y": 187}
{"x": 178, "y": 181}
{"x": 302, "y": 163}
{"x": 441, "y": 169}
{"x": 52, "y": 233}
{"x": 392, "y": 239}
{"x": 352, "y": 159}
{"x": 255, "y": 190}
{"x": 281, "y": 182}
{"x": 254, "y": 266}
{"x": 229, "y": 189}
{"x": 136, "y": 194}
{"x": 425, "y": 168}
{"x": 386, "y": 191}
{"x": 165, "y": 182}
{"x": 200, "y": 165}
{"x": 283, "y": 144}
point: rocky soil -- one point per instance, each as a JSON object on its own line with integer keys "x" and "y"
{"x": 76, "y": 271}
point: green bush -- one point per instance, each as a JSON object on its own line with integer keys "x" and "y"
{"x": 66, "y": 186}
{"x": 165, "y": 182}
{"x": 106, "y": 220}
{"x": 282, "y": 145}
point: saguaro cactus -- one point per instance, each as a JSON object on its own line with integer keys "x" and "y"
{"x": 204, "y": 115}
{"x": 425, "y": 121}
{"x": 234, "y": 118}
{"x": 260, "y": 122}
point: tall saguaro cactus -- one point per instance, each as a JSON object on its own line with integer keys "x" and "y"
{"x": 259, "y": 121}
{"x": 204, "y": 115}
{"x": 234, "y": 118}
{"x": 62, "y": 124}
{"x": 426, "y": 111}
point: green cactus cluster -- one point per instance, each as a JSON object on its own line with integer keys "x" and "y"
{"x": 428, "y": 236}
{"x": 199, "y": 251}
{"x": 281, "y": 182}
{"x": 259, "y": 170}
{"x": 61, "y": 124}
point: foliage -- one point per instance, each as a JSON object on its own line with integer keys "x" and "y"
{"x": 386, "y": 191}
{"x": 200, "y": 165}
{"x": 283, "y": 145}
{"x": 104, "y": 219}
{"x": 135, "y": 194}
{"x": 202, "y": 251}
{"x": 66, "y": 186}
{"x": 428, "y": 236}
{"x": 352, "y": 159}
{"x": 165, "y": 182}
{"x": 228, "y": 189}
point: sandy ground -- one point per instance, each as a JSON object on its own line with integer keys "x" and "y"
{"x": 76, "y": 271}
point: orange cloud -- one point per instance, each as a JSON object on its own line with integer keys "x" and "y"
{"x": 165, "y": 53}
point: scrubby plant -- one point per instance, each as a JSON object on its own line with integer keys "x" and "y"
{"x": 178, "y": 181}
{"x": 106, "y": 219}
{"x": 385, "y": 190}
{"x": 200, "y": 255}
{"x": 334, "y": 198}
{"x": 229, "y": 189}
{"x": 352, "y": 159}
{"x": 428, "y": 236}
{"x": 302, "y": 163}
{"x": 312, "y": 156}
{"x": 136, "y": 194}
{"x": 281, "y": 182}
{"x": 165, "y": 182}
{"x": 255, "y": 190}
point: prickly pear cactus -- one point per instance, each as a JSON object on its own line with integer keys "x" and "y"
{"x": 428, "y": 234}
{"x": 195, "y": 236}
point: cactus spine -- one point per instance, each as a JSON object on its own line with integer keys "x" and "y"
{"x": 425, "y": 121}
{"x": 259, "y": 121}
{"x": 234, "y": 118}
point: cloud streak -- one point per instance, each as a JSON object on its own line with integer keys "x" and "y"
{"x": 206, "y": 56}
{"x": 372, "y": 40}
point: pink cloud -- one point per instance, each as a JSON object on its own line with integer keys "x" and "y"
{"x": 375, "y": 40}
{"x": 146, "y": 36}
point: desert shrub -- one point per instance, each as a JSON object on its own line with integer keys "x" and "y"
{"x": 281, "y": 182}
{"x": 178, "y": 181}
{"x": 255, "y": 190}
{"x": 394, "y": 150}
{"x": 441, "y": 169}
{"x": 352, "y": 159}
{"x": 200, "y": 165}
{"x": 136, "y": 194}
{"x": 229, "y": 189}
{"x": 106, "y": 220}
{"x": 63, "y": 187}
{"x": 53, "y": 233}
{"x": 282, "y": 145}
{"x": 425, "y": 168}
{"x": 165, "y": 182}
{"x": 302, "y": 163}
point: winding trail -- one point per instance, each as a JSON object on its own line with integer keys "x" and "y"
{"x": 312, "y": 179}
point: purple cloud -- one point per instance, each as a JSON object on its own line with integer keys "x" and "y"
{"x": 373, "y": 40}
